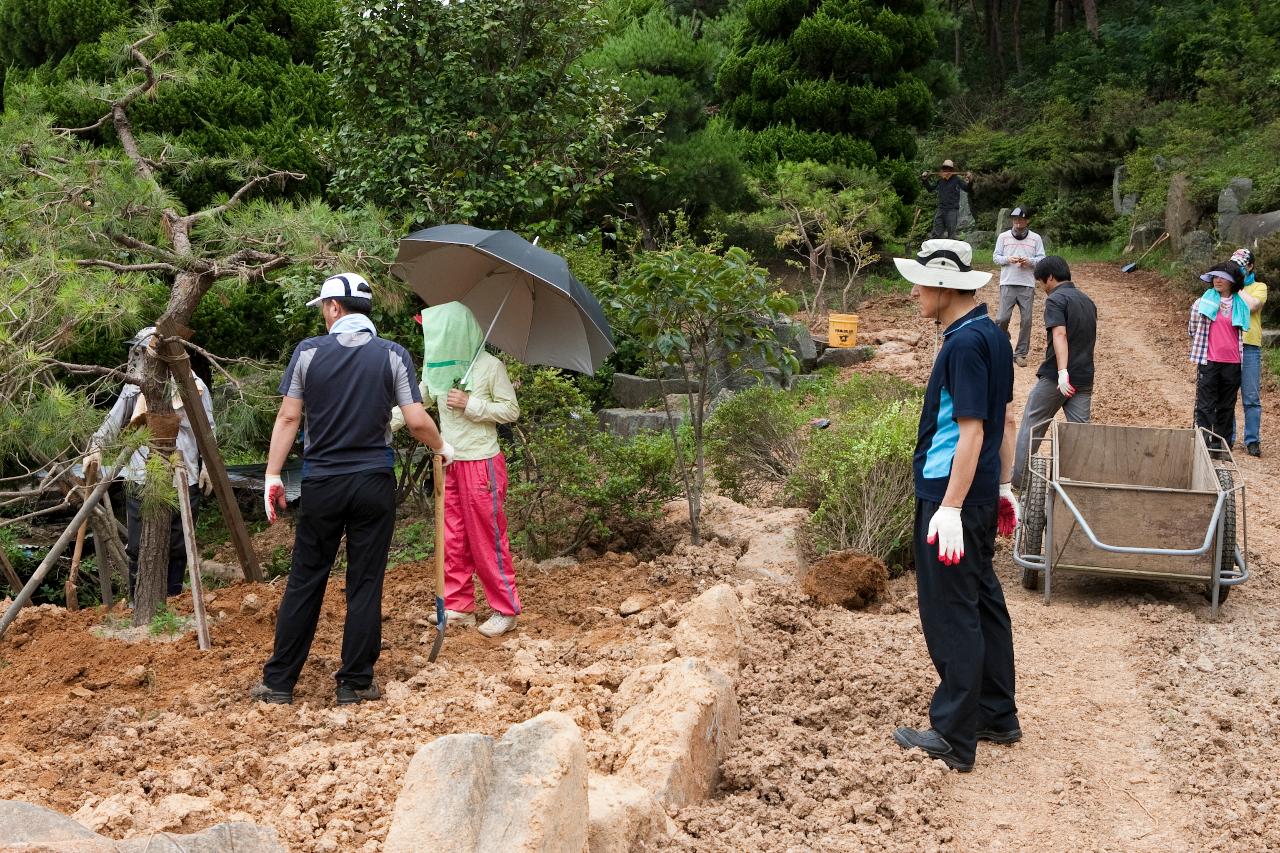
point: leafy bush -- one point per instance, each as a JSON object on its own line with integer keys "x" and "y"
{"x": 572, "y": 484}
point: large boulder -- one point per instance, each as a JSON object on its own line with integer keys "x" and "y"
{"x": 637, "y": 392}
{"x": 964, "y": 218}
{"x": 628, "y": 423}
{"x": 846, "y": 356}
{"x": 624, "y": 818}
{"x": 526, "y": 793}
{"x": 1251, "y": 228}
{"x": 1002, "y": 221}
{"x": 1197, "y": 250}
{"x": 1231, "y": 202}
{"x": 1123, "y": 203}
{"x": 796, "y": 337}
{"x": 711, "y": 628}
{"x": 1179, "y": 212}
{"x": 27, "y": 827}
{"x": 680, "y": 730}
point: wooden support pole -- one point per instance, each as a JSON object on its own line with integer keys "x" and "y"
{"x": 193, "y": 554}
{"x": 10, "y": 576}
{"x": 175, "y": 356}
{"x": 37, "y": 577}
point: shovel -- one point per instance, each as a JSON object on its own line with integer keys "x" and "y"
{"x": 1130, "y": 267}
{"x": 69, "y": 591}
{"x": 441, "y": 619}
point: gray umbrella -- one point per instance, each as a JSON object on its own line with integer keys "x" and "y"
{"x": 531, "y": 304}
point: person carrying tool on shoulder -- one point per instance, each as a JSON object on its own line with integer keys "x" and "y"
{"x": 1065, "y": 379}
{"x": 346, "y": 382}
{"x": 1017, "y": 252}
{"x": 963, "y": 458}
{"x": 948, "y": 188}
{"x": 1254, "y": 293}
{"x": 474, "y": 395}
{"x": 129, "y": 408}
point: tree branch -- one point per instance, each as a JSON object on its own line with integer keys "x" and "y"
{"x": 96, "y": 370}
{"x": 241, "y": 193}
{"x": 156, "y": 267}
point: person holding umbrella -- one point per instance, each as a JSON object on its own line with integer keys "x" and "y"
{"x": 474, "y": 395}
{"x": 346, "y": 381}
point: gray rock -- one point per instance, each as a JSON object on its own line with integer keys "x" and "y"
{"x": 1231, "y": 202}
{"x": 524, "y": 793}
{"x": 24, "y": 823}
{"x": 637, "y": 392}
{"x": 1123, "y": 203}
{"x": 1197, "y": 250}
{"x": 1249, "y": 228}
{"x": 846, "y": 356}
{"x": 796, "y": 337}
{"x": 1160, "y": 163}
{"x": 1002, "y": 222}
{"x": 1271, "y": 337}
{"x": 240, "y": 837}
{"x": 1145, "y": 236}
{"x": 628, "y": 423}
{"x": 964, "y": 219}
{"x": 1179, "y": 213}
{"x": 981, "y": 241}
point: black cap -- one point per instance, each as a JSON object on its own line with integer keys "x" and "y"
{"x": 1021, "y": 210}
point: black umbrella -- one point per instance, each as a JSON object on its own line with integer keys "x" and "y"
{"x": 528, "y": 299}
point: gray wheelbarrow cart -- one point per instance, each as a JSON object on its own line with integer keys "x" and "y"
{"x": 1135, "y": 502}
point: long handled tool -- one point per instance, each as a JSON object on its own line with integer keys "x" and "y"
{"x": 441, "y": 619}
{"x": 1130, "y": 267}
{"x": 193, "y": 556}
{"x": 69, "y": 590}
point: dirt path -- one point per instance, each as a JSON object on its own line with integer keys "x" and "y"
{"x": 1111, "y": 715}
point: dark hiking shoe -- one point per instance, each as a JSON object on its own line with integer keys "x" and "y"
{"x": 1004, "y": 738}
{"x": 263, "y": 693}
{"x": 349, "y": 694}
{"x": 1021, "y": 361}
{"x": 1254, "y": 449}
{"x": 932, "y": 743}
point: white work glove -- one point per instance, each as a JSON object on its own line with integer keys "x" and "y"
{"x": 1008, "y": 514}
{"x": 92, "y": 459}
{"x": 397, "y": 419}
{"x": 273, "y": 496}
{"x": 1065, "y": 388}
{"x": 446, "y": 453}
{"x": 945, "y": 529}
{"x": 205, "y": 481}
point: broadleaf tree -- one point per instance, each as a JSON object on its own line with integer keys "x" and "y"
{"x": 477, "y": 112}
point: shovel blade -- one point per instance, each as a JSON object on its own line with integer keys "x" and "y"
{"x": 1129, "y": 267}
{"x": 441, "y": 620}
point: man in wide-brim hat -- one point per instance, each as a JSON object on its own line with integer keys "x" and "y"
{"x": 963, "y": 462}
{"x": 948, "y": 187}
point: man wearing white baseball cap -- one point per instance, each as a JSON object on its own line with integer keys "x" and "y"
{"x": 963, "y": 460}
{"x": 347, "y": 382}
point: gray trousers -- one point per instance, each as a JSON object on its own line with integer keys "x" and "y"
{"x": 944, "y": 224}
{"x": 1025, "y": 299}
{"x": 1043, "y": 404}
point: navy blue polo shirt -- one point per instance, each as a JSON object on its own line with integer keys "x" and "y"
{"x": 972, "y": 378}
{"x": 348, "y": 384}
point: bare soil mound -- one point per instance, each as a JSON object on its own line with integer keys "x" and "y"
{"x": 847, "y": 579}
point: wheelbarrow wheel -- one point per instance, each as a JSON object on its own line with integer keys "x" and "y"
{"x": 1228, "y": 543}
{"x": 1033, "y": 515}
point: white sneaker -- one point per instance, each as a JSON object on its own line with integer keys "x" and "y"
{"x": 497, "y": 625}
{"x": 454, "y": 618}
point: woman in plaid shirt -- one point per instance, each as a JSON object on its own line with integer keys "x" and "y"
{"x": 1218, "y": 320}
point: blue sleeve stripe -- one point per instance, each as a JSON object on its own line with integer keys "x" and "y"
{"x": 946, "y": 435}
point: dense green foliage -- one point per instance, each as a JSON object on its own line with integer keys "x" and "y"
{"x": 477, "y": 112}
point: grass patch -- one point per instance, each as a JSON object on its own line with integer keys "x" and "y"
{"x": 166, "y": 622}
{"x": 413, "y": 543}
{"x": 1271, "y": 361}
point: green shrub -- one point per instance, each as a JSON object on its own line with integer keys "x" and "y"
{"x": 755, "y": 439}
{"x": 572, "y": 484}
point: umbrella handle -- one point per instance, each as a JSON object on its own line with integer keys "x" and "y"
{"x": 487, "y": 333}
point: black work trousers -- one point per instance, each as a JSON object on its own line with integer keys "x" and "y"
{"x": 1217, "y": 384}
{"x": 177, "y": 572}
{"x": 363, "y": 506}
{"x": 944, "y": 223}
{"x": 966, "y": 627}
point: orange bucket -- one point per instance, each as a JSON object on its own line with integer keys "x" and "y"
{"x": 842, "y": 330}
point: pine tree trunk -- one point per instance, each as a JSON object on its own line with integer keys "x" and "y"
{"x": 152, "y": 584}
{"x": 1091, "y": 17}
{"x": 1017, "y": 35}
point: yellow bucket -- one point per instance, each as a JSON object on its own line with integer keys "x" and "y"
{"x": 842, "y": 330}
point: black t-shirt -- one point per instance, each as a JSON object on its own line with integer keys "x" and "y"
{"x": 972, "y": 378}
{"x": 1069, "y": 306}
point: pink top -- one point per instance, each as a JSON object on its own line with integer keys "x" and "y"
{"x": 1224, "y": 340}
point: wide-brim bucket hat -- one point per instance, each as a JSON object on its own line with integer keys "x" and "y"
{"x": 943, "y": 263}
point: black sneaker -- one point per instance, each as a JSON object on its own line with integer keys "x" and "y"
{"x": 263, "y": 693}
{"x": 1254, "y": 448}
{"x": 349, "y": 694}
{"x": 1004, "y": 738}
{"x": 932, "y": 743}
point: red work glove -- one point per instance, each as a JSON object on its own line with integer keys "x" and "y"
{"x": 946, "y": 530}
{"x": 1009, "y": 516}
{"x": 1065, "y": 388}
{"x": 274, "y": 497}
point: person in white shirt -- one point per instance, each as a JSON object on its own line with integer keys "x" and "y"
{"x": 1018, "y": 250}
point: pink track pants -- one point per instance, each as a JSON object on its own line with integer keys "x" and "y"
{"x": 475, "y": 539}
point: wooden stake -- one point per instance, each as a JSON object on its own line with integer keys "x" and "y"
{"x": 70, "y": 593}
{"x": 193, "y": 554}
{"x": 175, "y": 355}
{"x": 10, "y": 576}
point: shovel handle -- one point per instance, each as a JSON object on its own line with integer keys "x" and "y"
{"x": 438, "y": 492}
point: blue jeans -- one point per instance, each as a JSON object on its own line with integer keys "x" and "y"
{"x": 1250, "y": 395}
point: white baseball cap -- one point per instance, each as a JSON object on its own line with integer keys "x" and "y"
{"x": 344, "y": 284}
